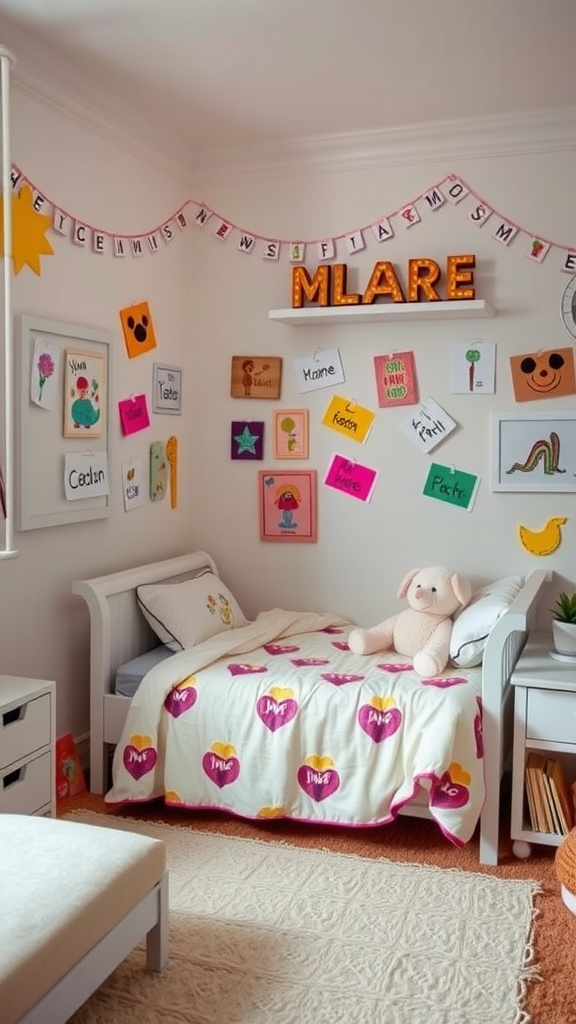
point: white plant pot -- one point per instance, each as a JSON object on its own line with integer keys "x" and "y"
{"x": 564, "y": 635}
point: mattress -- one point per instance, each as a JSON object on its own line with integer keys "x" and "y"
{"x": 130, "y": 674}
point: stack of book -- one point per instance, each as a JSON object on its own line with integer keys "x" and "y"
{"x": 548, "y": 795}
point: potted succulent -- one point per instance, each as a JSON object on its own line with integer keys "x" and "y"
{"x": 564, "y": 624}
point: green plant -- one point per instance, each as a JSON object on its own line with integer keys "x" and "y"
{"x": 565, "y": 608}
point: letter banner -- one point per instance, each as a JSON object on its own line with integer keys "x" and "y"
{"x": 192, "y": 213}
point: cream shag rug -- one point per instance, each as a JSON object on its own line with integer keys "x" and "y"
{"x": 264, "y": 932}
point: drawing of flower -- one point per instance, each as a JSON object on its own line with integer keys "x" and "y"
{"x": 45, "y": 370}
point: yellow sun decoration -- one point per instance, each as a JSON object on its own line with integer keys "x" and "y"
{"x": 28, "y": 232}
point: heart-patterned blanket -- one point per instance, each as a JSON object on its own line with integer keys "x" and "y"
{"x": 279, "y": 719}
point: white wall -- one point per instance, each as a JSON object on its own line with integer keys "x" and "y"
{"x": 43, "y": 628}
{"x": 209, "y": 303}
{"x": 363, "y": 551}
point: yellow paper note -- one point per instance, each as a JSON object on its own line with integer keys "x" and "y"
{"x": 345, "y": 417}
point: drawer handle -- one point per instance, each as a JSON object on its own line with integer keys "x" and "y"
{"x": 15, "y": 715}
{"x": 13, "y": 777}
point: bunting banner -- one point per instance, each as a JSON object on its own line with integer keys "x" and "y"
{"x": 194, "y": 214}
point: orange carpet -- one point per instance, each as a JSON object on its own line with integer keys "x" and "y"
{"x": 551, "y": 997}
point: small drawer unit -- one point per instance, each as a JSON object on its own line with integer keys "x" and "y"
{"x": 27, "y": 746}
{"x": 544, "y": 733}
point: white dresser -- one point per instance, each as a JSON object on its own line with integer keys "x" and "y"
{"x": 27, "y": 746}
{"x": 544, "y": 721}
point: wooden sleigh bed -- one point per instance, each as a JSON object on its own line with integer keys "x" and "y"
{"x": 119, "y": 632}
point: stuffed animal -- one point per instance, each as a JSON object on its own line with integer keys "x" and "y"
{"x": 422, "y": 631}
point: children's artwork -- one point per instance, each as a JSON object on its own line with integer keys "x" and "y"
{"x": 158, "y": 471}
{"x": 138, "y": 328}
{"x": 321, "y": 370}
{"x": 84, "y": 394}
{"x": 396, "y": 379}
{"x": 544, "y": 374}
{"x": 534, "y": 453}
{"x": 288, "y": 505}
{"x": 428, "y": 425}
{"x": 167, "y": 389}
{"x": 247, "y": 440}
{"x": 545, "y": 540}
{"x": 132, "y": 484}
{"x": 133, "y": 414}
{"x": 473, "y": 368}
{"x": 291, "y": 434}
{"x": 256, "y": 377}
{"x": 454, "y": 486}
{"x": 44, "y": 375}
{"x": 172, "y": 456}
{"x": 349, "y": 419}
{"x": 69, "y": 775}
{"x": 351, "y": 478}
{"x": 85, "y": 475}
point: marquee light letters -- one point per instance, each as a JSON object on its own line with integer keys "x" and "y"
{"x": 327, "y": 286}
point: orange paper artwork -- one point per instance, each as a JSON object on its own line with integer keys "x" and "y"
{"x": 138, "y": 329}
{"x": 544, "y": 374}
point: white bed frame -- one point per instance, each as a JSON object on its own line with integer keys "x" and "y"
{"x": 119, "y": 632}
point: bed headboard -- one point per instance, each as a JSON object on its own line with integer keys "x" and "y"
{"x": 119, "y": 632}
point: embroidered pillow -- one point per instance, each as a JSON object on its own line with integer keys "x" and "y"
{"x": 473, "y": 624}
{"x": 184, "y": 614}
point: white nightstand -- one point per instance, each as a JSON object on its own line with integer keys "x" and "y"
{"x": 27, "y": 746}
{"x": 544, "y": 721}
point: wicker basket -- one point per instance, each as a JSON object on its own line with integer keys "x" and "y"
{"x": 565, "y": 863}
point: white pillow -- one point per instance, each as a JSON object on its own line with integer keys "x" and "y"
{"x": 472, "y": 625}
{"x": 184, "y": 614}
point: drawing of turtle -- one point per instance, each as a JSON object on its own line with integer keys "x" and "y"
{"x": 82, "y": 410}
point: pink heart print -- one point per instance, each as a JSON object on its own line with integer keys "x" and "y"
{"x": 443, "y": 682}
{"x": 179, "y": 701}
{"x": 138, "y": 762}
{"x": 221, "y": 770}
{"x": 281, "y": 648}
{"x": 448, "y": 794}
{"x": 276, "y": 713}
{"x": 237, "y": 669}
{"x": 318, "y": 784}
{"x": 339, "y": 678}
{"x": 378, "y": 724}
{"x": 478, "y": 736}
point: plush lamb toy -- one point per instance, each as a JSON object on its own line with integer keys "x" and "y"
{"x": 422, "y": 631}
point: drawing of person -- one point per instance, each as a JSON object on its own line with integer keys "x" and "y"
{"x": 247, "y": 370}
{"x": 82, "y": 410}
{"x": 287, "y": 501}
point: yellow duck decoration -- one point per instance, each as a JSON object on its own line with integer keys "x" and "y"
{"x": 544, "y": 541}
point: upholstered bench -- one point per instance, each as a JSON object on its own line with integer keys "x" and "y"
{"x": 75, "y": 899}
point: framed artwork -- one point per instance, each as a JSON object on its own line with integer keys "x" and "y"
{"x": 534, "y": 453}
{"x": 85, "y": 397}
{"x": 255, "y": 377}
{"x": 291, "y": 434}
{"x": 167, "y": 389}
{"x": 59, "y": 480}
{"x": 287, "y": 502}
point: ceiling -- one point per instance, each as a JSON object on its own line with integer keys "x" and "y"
{"x": 216, "y": 74}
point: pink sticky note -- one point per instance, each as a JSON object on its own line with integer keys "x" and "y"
{"x": 351, "y": 478}
{"x": 134, "y": 414}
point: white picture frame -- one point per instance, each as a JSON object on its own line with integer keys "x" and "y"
{"x": 41, "y": 446}
{"x": 167, "y": 389}
{"x": 534, "y": 453}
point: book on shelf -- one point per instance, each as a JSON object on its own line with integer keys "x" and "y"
{"x": 550, "y": 798}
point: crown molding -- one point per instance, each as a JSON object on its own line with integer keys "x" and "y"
{"x": 441, "y": 141}
{"x": 38, "y": 73}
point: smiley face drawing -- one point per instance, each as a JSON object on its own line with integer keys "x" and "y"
{"x": 543, "y": 374}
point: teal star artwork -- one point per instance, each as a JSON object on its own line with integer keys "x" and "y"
{"x": 247, "y": 440}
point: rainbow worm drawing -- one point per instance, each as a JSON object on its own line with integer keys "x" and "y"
{"x": 546, "y": 452}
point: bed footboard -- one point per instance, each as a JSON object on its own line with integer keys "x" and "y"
{"x": 503, "y": 648}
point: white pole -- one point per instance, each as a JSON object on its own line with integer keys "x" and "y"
{"x": 6, "y": 59}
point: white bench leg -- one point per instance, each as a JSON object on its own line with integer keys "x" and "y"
{"x": 157, "y": 937}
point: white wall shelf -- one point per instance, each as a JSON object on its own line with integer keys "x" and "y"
{"x": 453, "y": 310}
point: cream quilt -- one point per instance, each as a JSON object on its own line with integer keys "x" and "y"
{"x": 279, "y": 719}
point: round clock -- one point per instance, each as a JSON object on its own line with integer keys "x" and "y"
{"x": 568, "y": 307}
